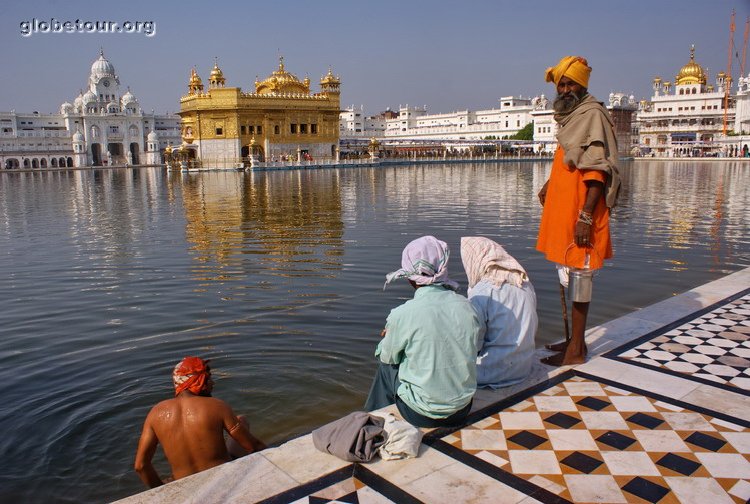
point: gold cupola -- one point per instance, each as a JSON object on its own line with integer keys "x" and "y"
{"x": 692, "y": 73}
{"x": 282, "y": 82}
{"x": 329, "y": 78}
{"x": 195, "y": 85}
{"x": 216, "y": 78}
{"x": 330, "y": 83}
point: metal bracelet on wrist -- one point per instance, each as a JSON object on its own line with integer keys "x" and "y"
{"x": 585, "y": 217}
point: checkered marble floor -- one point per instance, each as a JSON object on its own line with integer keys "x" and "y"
{"x": 712, "y": 347}
{"x": 351, "y": 490}
{"x": 583, "y": 439}
{"x": 353, "y": 484}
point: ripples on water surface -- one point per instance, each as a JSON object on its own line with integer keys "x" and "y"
{"x": 110, "y": 277}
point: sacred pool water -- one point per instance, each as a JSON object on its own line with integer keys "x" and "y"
{"x": 109, "y": 277}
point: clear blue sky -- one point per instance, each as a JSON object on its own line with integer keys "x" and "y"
{"x": 447, "y": 55}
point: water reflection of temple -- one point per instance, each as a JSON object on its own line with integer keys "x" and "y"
{"x": 281, "y": 224}
{"x": 684, "y": 201}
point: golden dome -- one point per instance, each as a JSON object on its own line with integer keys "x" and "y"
{"x": 216, "y": 78}
{"x": 216, "y": 73}
{"x": 195, "y": 85}
{"x": 692, "y": 73}
{"x": 281, "y": 81}
{"x": 329, "y": 78}
{"x": 194, "y": 77}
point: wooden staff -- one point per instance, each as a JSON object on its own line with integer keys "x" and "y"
{"x": 564, "y": 312}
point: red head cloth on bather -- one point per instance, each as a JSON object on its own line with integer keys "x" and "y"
{"x": 190, "y": 373}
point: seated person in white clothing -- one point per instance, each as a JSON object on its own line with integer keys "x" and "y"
{"x": 501, "y": 292}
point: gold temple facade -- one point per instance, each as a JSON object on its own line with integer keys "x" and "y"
{"x": 281, "y": 119}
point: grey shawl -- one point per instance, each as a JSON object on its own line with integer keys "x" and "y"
{"x": 587, "y": 134}
{"x": 355, "y": 437}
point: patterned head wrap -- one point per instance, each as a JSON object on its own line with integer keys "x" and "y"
{"x": 485, "y": 259}
{"x": 190, "y": 373}
{"x": 572, "y": 67}
{"x": 425, "y": 262}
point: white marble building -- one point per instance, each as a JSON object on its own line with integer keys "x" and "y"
{"x": 620, "y": 106}
{"x": 739, "y": 144}
{"x": 103, "y": 126}
{"x": 353, "y": 123}
{"x": 689, "y": 118}
{"x": 34, "y": 140}
{"x": 414, "y": 123}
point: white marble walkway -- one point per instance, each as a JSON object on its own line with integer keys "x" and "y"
{"x": 659, "y": 413}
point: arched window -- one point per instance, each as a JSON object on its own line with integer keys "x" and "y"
{"x": 70, "y": 162}
{"x": 682, "y": 91}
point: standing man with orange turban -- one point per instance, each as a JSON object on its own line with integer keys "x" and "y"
{"x": 190, "y": 427}
{"x": 577, "y": 199}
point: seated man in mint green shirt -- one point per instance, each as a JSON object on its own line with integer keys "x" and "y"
{"x": 430, "y": 343}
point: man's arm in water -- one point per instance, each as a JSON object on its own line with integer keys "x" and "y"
{"x": 238, "y": 429}
{"x": 146, "y": 449}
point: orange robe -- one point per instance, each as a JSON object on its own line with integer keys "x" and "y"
{"x": 566, "y": 194}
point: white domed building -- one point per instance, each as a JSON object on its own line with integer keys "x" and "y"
{"x": 687, "y": 118}
{"x": 113, "y": 125}
{"x": 101, "y": 127}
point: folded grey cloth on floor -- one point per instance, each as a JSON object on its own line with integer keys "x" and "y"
{"x": 355, "y": 437}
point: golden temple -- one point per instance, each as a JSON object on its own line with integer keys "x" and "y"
{"x": 281, "y": 119}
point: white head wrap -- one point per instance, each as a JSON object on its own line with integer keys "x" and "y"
{"x": 425, "y": 262}
{"x": 485, "y": 259}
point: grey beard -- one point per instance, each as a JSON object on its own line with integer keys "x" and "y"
{"x": 565, "y": 103}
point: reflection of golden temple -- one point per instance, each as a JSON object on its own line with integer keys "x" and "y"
{"x": 281, "y": 113}
{"x": 234, "y": 222}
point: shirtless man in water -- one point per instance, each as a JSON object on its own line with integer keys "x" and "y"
{"x": 190, "y": 427}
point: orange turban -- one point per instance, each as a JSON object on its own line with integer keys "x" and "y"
{"x": 572, "y": 67}
{"x": 190, "y": 373}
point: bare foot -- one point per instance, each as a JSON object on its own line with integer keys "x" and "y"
{"x": 562, "y": 346}
{"x": 561, "y": 359}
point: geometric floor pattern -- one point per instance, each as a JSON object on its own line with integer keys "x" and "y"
{"x": 350, "y": 490}
{"x": 353, "y": 484}
{"x": 712, "y": 348}
{"x": 584, "y": 439}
